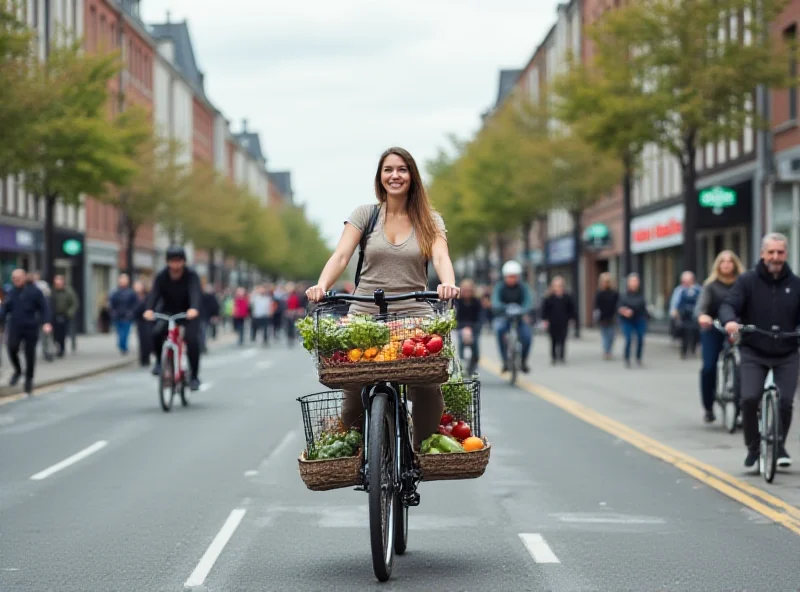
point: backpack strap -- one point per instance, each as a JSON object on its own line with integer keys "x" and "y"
{"x": 362, "y": 245}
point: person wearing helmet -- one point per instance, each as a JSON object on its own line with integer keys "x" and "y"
{"x": 511, "y": 290}
{"x": 176, "y": 289}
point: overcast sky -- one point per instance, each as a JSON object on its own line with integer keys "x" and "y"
{"x": 330, "y": 85}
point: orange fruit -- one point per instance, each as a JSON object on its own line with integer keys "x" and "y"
{"x": 472, "y": 444}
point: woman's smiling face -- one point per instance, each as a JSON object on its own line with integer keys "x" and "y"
{"x": 395, "y": 178}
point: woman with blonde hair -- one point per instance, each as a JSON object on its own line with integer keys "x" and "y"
{"x": 727, "y": 267}
{"x": 605, "y": 311}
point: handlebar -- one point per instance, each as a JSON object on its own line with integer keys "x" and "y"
{"x": 380, "y": 298}
{"x": 775, "y": 332}
{"x": 169, "y": 318}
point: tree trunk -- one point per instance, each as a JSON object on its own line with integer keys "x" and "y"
{"x": 526, "y": 249}
{"x": 576, "y": 271}
{"x": 130, "y": 237}
{"x": 212, "y": 266}
{"x": 627, "y": 199}
{"x": 690, "y": 210}
{"x": 49, "y": 255}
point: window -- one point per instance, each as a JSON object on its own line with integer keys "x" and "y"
{"x": 790, "y": 36}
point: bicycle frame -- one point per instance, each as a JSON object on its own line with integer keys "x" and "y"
{"x": 174, "y": 342}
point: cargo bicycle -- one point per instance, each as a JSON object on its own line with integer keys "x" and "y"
{"x": 388, "y": 469}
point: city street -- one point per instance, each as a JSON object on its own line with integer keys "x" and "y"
{"x": 101, "y": 490}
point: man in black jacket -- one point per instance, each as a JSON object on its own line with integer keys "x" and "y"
{"x": 767, "y": 297}
{"x": 28, "y": 308}
{"x": 176, "y": 289}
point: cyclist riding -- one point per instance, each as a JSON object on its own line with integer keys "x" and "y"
{"x": 176, "y": 289}
{"x": 512, "y": 291}
{"x": 769, "y": 298}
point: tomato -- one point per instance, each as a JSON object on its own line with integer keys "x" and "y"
{"x": 435, "y": 344}
{"x": 446, "y": 430}
{"x": 446, "y": 419}
{"x": 461, "y": 431}
{"x": 420, "y": 351}
{"x": 408, "y": 348}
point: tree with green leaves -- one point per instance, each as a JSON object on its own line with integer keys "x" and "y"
{"x": 72, "y": 149}
{"x": 308, "y": 253}
{"x": 698, "y": 78}
{"x": 604, "y": 100}
{"x": 17, "y": 94}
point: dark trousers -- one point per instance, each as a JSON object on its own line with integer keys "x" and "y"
{"x": 630, "y": 327}
{"x": 143, "y": 331}
{"x": 191, "y": 338}
{"x": 711, "y": 344}
{"x": 238, "y": 326}
{"x": 753, "y": 372}
{"x": 558, "y": 342}
{"x": 259, "y": 324}
{"x": 60, "y": 328}
{"x": 15, "y": 338}
{"x": 688, "y": 337}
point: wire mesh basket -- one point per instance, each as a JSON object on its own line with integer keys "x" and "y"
{"x": 333, "y": 454}
{"x": 360, "y": 349}
{"x": 462, "y": 401}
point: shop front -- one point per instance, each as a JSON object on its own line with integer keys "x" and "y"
{"x": 783, "y": 203}
{"x": 657, "y": 245}
{"x": 70, "y": 261}
{"x": 559, "y": 259}
{"x": 724, "y": 221}
{"x": 101, "y": 259}
{"x": 144, "y": 265}
{"x": 19, "y": 247}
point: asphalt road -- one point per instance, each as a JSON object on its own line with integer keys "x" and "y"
{"x": 210, "y": 496}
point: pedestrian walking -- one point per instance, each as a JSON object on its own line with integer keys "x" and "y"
{"x": 241, "y": 310}
{"x": 28, "y": 308}
{"x": 122, "y": 304}
{"x": 558, "y": 309}
{"x": 682, "y": 305}
{"x": 605, "y": 312}
{"x": 261, "y": 306}
{"x": 143, "y": 328}
{"x": 209, "y": 314}
{"x": 65, "y": 305}
{"x": 632, "y": 308}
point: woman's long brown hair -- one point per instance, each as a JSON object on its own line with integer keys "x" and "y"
{"x": 419, "y": 206}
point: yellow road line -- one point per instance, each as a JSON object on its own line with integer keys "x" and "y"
{"x": 753, "y": 497}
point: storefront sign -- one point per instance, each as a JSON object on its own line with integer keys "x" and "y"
{"x": 19, "y": 239}
{"x": 71, "y": 247}
{"x": 597, "y": 237}
{"x": 658, "y": 230}
{"x": 561, "y": 250}
{"x": 717, "y": 198}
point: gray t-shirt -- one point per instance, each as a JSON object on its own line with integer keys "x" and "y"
{"x": 395, "y": 268}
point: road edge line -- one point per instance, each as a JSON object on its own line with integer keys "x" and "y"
{"x": 723, "y": 482}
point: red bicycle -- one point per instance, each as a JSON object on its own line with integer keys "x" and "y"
{"x": 173, "y": 370}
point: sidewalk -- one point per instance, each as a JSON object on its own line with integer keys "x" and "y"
{"x": 660, "y": 400}
{"x": 95, "y": 354}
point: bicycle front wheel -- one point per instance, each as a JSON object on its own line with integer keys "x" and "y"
{"x": 382, "y": 495}
{"x": 770, "y": 434}
{"x": 166, "y": 381}
{"x": 730, "y": 394}
{"x": 513, "y": 359}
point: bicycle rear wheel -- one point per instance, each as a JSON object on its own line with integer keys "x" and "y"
{"x": 513, "y": 359}
{"x": 166, "y": 381}
{"x": 383, "y": 498}
{"x": 770, "y": 434}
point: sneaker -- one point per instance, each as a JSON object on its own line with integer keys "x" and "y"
{"x": 752, "y": 458}
{"x": 194, "y": 384}
{"x": 525, "y": 367}
{"x": 710, "y": 417}
{"x": 505, "y": 367}
{"x": 784, "y": 460}
{"x": 15, "y": 379}
{"x": 29, "y": 386}
{"x": 156, "y": 370}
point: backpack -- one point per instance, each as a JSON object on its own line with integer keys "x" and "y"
{"x": 362, "y": 245}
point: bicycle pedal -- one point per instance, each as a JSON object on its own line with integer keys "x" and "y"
{"x": 411, "y": 500}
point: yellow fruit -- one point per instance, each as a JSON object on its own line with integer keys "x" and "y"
{"x": 472, "y": 444}
{"x": 354, "y": 355}
{"x": 379, "y": 358}
{"x": 371, "y": 353}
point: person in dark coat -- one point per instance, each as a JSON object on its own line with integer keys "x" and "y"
{"x": 558, "y": 309}
{"x": 632, "y": 309}
{"x": 605, "y": 312}
{"x": 209, "y": 314}
{"x": 143, "y": 328}
{"x": 122, "y": 304}
{"x": 28, "y": 308}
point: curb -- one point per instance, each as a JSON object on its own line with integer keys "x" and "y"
{"x": 12, "y": 391}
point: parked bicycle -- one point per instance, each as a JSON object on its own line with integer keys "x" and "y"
{"x": 174, "y": 376}
{"x": 727, "y": 394}
{"x": 769, "y": 419}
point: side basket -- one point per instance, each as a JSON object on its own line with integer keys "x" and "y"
{"x": 455, "y": 466}
{"x": 335, "y": 473}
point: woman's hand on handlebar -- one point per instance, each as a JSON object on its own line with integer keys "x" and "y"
{"x": 732, "y": 327}
{"x": 316, "y": 293}
{"x": 705, "y": 321}
{"x": 148, "y": 315}
{"x": 448, "y": 291}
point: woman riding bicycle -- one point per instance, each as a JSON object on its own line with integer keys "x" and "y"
{"x": 406, "y": 235}
{"x": 727, "y": 267}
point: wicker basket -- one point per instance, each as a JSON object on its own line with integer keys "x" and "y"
{"x": 410, "y": 371}
{"x": 456, "y": 465}
{"x": 335, "y": 473}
